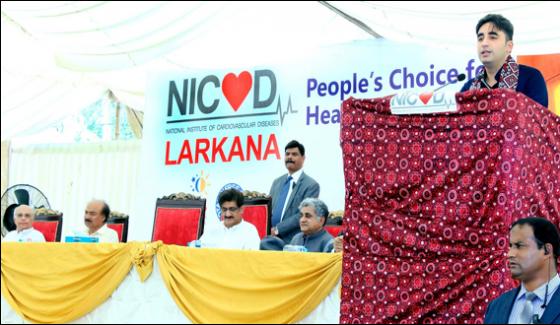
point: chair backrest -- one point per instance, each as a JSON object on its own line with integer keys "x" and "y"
{"x": 178, "y": 221}
{"x": 334, "y": 225}
{"x": 120, "y": 225}
{"x": 49, "y": 226}
{"x": 258, "y": 212}
{"x": 334, "y": 230}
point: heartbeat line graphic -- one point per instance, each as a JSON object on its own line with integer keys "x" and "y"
{"x": 289, "y": 109}
{"x": 281, "y": 113}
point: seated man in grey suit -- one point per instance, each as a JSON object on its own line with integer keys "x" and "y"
{"x": 288, "y": 191}
{"x": 313, "y": 216}
{"x": 534, "y": 247}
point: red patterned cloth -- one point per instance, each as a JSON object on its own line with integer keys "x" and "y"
{"x": 429, "y": 202}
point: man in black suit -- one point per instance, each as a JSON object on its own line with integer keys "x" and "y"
{"x": 534, "y": 249}
{"x": 288, "y": 191}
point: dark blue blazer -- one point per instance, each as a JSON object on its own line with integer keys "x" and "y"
{"x": 530, "y": 82}
{"x": 499, "y": 309}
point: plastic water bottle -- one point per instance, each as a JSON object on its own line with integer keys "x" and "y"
{"x": 295, "y": 248}
{"x": 195, "y": 243}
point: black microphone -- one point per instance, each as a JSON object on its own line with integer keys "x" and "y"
{"x": 536, "y": 319}
{"x": 460, "y": 77}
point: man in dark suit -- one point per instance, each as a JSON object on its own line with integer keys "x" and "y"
{"x": 534, "y": 249}
{"x": 287, "y": 192}
{"x": 495, "y": 43}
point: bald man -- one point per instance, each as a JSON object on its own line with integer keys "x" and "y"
{"x": 24, "y": 233}
{"x": 95, "y": 218}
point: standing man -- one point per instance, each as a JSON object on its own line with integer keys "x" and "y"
{"x": 24, "y": 233}
{"x": 233, "y": 232}
{"x": 288, "y": 191}
{"x": 534, "y": 247}
{"x": 95, "y": 218}
{"x": 495, "y": 43}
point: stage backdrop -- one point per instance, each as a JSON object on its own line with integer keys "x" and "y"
{"x": 207, "y": 130}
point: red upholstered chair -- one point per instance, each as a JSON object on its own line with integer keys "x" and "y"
{"x": 120, "y": 225}
{"x": 49, "y": 226}
{"x": 258, "y": 212}
{"x": 334, "y": 230}
{"x": 334, "y": 223}
{"x": 178, "y": 221}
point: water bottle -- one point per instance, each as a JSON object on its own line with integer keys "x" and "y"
{"x": 195, "y": 243}
{"x": 295, "y": 248}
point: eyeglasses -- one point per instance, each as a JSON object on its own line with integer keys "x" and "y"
{"x": 232, "y": 209}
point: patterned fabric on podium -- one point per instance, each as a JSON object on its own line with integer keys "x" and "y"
{"x": 430, "y": 199}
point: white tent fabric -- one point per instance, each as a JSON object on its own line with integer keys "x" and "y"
{"x": 57, "y": 56}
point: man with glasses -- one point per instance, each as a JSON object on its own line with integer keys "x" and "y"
{"x": 233, "y": 232}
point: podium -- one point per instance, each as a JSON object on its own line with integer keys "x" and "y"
{"x": 429, "y": 202}
{"x": 178, "y": 221}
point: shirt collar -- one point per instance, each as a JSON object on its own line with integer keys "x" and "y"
{"x": 315, "y": 235}
{"x": 540, "y": 291}
{"x": 233, "y": 227}
{"x": 297, "y": 175}
{"x": 99, "y": 231}
{"x": 24, "y": 231}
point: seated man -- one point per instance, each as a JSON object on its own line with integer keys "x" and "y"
{"x": 95, "y": 218}
{"x": 233, "y": 232}
{"x": 313, "y": 216}
{"x": 23, "y": 218}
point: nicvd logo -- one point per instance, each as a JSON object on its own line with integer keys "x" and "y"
{"x": 190, "y": 100}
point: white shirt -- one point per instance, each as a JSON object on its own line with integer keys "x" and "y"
{"x": 244, "y": 235}
{"x": 295, "y": 178}
{"x": 105, "y": 234}
{"x": 25, "y": 236}
{"x": 514, "y": 317}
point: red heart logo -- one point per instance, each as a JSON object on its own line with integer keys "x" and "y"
{"x": 235, "y": 89}
{"x": 425, "y": 97}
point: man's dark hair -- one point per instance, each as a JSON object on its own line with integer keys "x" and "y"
{"x": 501, "y": 23}
{"x": 106, "y": 211}
{"x": 231, "y": 195}
{"x": 545, "y": 233}
{"x": 295, "y": 144}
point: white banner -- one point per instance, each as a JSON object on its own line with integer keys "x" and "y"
{"x": 209, "y": 129}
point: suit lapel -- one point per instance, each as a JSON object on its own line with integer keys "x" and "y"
{"x": 552, "y": 311}
{"x": 508, "y": 303}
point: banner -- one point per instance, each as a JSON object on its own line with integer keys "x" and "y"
{"x": 207, "y": 130}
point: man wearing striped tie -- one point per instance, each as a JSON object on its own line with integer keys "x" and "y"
{"x": 534, "y": 247}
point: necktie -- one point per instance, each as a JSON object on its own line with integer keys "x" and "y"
{"x": 277, "y": 212}
{"x": 526, "y": 316}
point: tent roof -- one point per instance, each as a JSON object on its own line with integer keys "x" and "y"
{"x": 58, "y": 57}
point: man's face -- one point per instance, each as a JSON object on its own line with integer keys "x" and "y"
{"x": 493, "y": 48}
{"x": 525, "y": 258}
{"x": 23, "y": 217}
{"x": 93, "y": 218}
{"x": 308, "y": 222}
{"x": 294, "y": 160}
{"x": 231, "y": 213}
